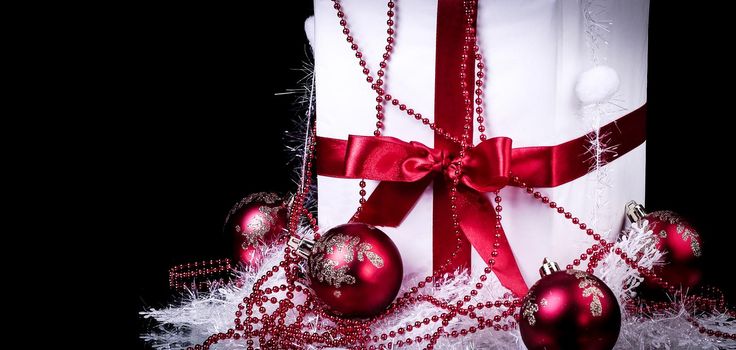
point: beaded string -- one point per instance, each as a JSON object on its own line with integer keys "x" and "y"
{"x": 357, "y": 333}
{"x": 185, "y": 275}
{"x": 274, "y": 332}
{"x": 470, "y": 44}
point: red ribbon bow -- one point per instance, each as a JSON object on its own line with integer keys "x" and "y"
{"x": 485, "y": 167}
{"x": 405, "y": 169}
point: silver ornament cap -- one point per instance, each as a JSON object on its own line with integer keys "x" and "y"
{"x": 302, "y": 247}
{"x": 548, "y": 267}
{"x": 635, "y": 211}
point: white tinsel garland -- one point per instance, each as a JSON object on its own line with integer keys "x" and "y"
{"x": 196, "y": 316}
{"x": 594, "y": 89}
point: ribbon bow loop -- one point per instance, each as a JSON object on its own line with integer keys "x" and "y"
{"x": 428, "y": 160}
{"x": 487, "y": 166}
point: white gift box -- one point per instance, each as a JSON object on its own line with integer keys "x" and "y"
{"x": 534, "y": 51}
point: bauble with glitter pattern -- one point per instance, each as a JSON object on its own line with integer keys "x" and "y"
{"x": 677, "y": 239}
{"x": 354, "y": 269}
{"x": 569, "y": 310}
{"x": 253, "y": 224}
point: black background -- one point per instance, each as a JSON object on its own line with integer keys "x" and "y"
{"x": 198, "y": 126}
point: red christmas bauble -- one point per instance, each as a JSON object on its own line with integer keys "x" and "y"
{"x": 355, "y": 269}
{"x": 570, "y": 310}
{"x": 681, "y": 245}
{"x": 677, "y": 239}
{"x": 253, "y": 223}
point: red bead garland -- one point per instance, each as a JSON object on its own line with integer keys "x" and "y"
{"x": 275, "y": 333}
{"x": 383, "y": 97}
{"x": 356, "y": 333}
{"x": 376, "y": 83}
{"x": 470, "y": 8}
{"x": 184, "y": 275}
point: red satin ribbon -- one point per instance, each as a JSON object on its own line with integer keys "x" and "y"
{"x": 405, "y": 169}
{"x": 449, "y": 108}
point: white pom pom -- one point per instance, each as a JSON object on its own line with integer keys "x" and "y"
{"x": 597, "y": 85}
{"x": 309, "y": 30}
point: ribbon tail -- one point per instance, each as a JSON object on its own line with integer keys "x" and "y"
{"x": 390, "y": 202}
{"x": 478, "y": 223}
{"x": 443, "y": 237}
